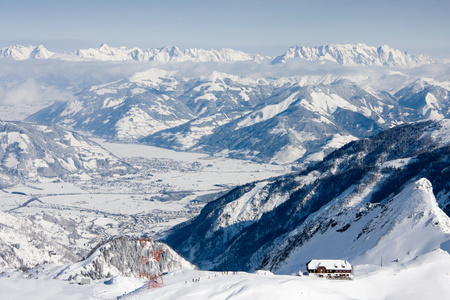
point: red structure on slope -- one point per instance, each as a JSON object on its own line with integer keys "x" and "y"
{"x": 154, "y": 280}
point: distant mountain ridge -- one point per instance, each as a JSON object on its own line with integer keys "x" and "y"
{"x": 107, "y": 53}
{"x": 359, "y": 54}
{"x": 344, "y": 54}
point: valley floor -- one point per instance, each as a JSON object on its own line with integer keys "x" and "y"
{"x": 426, "y": 277}
{"x": 169, "y": 187}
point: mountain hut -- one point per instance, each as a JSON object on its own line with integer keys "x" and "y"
{"x": 330, "y": 268}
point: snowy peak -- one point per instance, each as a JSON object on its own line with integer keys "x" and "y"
{"x": 419, "y": 197}
{"x": 423, "y": 83}
{"x": 429, "y": 98}
{"x": 104, "y": 48}
{"x": 123, "y": 256}
{"x": 353, "y": 54}
{"x": 25, "y": 52}
{"x": 153, "y": 77}
{"x": 411, "y": 216}
{"x": 409, "y": 225}
{"x": 103, "y": 53}
{"x": 417, "y": 201}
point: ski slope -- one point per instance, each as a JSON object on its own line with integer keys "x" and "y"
{"x": 426, "y": 277}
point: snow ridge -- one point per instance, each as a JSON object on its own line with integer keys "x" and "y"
{"x": 107, "y": 53}
{"x": 359, "y": 54}
{"x": 352, "y": 54}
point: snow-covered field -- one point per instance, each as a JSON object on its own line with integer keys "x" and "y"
{"x": 426, "y": 277}
{"x": 169, "y": 187}
{"x": 210, "y": 172}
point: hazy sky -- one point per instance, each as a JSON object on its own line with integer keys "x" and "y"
{"x": 256, "y": 26}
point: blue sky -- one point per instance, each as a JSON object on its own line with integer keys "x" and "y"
{"x": 265, "y": 27}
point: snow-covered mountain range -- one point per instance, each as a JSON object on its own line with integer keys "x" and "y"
{"x": 359, "y": 54}
{"x": 276, "y": 120}
{"x": 371, "y": 198}
{"x": 353, "y": 54}
{"x": 107, "y": 53}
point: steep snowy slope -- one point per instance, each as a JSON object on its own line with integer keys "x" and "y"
{"x": 408, "y": 225}
{"x": 39, "y": 152}
{"x": 24, "y": 244}
{"x": 262, "y": 224}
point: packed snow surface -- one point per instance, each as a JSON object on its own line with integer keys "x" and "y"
{"x": 426, "y": 277}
